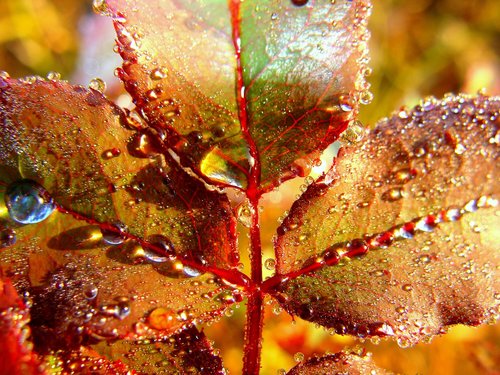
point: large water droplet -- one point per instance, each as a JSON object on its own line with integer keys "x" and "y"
{"x": 115, "y": 234}
{"x": 28, "y": 202}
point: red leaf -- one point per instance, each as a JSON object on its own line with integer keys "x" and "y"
{"x": 70, "y": 140}
{"x": 340, "y": 363}
{"x": 17, "y": 357}
{"x": 270, "y": 85}
{"x": 406, "y": 227}
{"x": 188, "y": 351}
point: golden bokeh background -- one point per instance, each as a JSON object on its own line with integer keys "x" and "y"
{"x": 418, "y": 48}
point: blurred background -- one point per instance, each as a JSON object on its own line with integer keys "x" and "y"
{"x": 418, "y": 48}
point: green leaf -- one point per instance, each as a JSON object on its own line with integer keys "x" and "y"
{"x": 248, "y": 93}
{"x": 178, "y": 234}
{"x": 399, "y": 238}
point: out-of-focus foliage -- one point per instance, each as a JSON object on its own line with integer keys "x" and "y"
{"x": 418, "y": 48}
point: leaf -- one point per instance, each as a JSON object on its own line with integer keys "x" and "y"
{"x": 17, "y": 356}
{"x": 71, "y": 141}
{"x": 340, "y": 363}
{"x": 186, "y": 352}
{"x": 299, "y": 78}
{"x": 406, "y": 222}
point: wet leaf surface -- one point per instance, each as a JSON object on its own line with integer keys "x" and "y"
{"x": 299, "y": 79}
{"x": 406, "y": 223}
{"x": 17, "y": 356}
{"x": 340, "y": 363}
{"x": 186, "y": 352}
{"x": 129, "y": 236}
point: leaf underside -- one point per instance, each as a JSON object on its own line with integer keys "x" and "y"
{"x": 72, "y": 141}
{"x": 400, "y": 237}
{"x": 299, "y": 78}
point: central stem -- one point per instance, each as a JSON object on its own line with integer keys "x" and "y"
{"x": 255, "y": 311}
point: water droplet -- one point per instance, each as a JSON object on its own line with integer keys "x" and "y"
{"x": 393, "y": 194}
{"x": 53, "y": 76}
{"x": 354, "y": 133}
{"x": 270, "y": 264}
{"x": 191, "y": 272}
{"x": 244, "y": 214}
{"x": 90, "y": 291}
{"x": 404, "y": 175}
{"x": 158, "y": 73}
{"x": 100, "y": 7}
{"x": 111, "y": 153}
{"x": 298, "y": 357}
{"x": 114, "y": 234}
{"x": 407, "y": 287}
{"x": 97, "y": 84}
{"x": 28, "y": 202}
{"x": 216, "y": 166}
{"x": 460, "y": 149}
{"x": 7, "y": 237}
{"x": 346, "y": 104}
{"x": 162, "y": 318}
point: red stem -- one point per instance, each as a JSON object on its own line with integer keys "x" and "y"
{"x": 255, "y": 311}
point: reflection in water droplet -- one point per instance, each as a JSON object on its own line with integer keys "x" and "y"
{"x": 162, "y": 318}
{"x": 53, "y": 76}
{"x": 354, "y": 133}
{"x": 97, "y": 84}
{"x": 90, "y": 291}
{"x": 158, "y": 73}
{"x": 216, "y": 166}
{"x": 115, "y": 234}
{"x": 7, "y": 237}
{"x": 298, "y": 357}
{"x": 393, "y": 194}
{"x": 100, "y": 7}
{"x": 270, "y": 264}
{"x": 244, "y": 214}
{"x": 28, "y": 202}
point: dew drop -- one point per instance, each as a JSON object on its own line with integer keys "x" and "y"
{"x": 100, "y": 7}
{"x": 158, "y": 73}
{"x": 28, "y": 202}
{"x": 346, "y": 103}
{"x": 270, "y": 264}
{"x": 298, "y": 357}
{"x": 354, "y": 133}
{"x": 161, "y": 318}
{"x": 244, "y": 214}
{"x": 53, "y": 76}
{"x": 7, "y": 237}
{"x": 90, "y": 291}
{"x": 115, "y": 234}
{"x": 407, "y": 287}
{"x": 393, "y": 194}
{"x": 111, "y": 153}
{"x": 97, "y": 84}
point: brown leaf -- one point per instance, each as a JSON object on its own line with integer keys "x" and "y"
{"x": 71, "y": 141}
{"x": 340, "y": 363}
{"x": 247, "y": 92}
{"x": 419, "y": 197}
